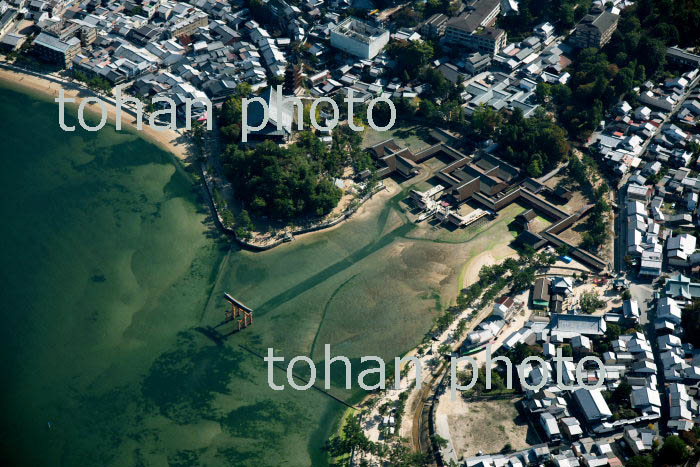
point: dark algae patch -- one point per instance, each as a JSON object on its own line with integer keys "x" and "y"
{"x": 182, "y": 383}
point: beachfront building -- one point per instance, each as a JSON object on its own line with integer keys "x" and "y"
{"x": 7, "y": 20}
{"x": 358, "y": 38}
{"x": 53, "y": 50}
{"x": 11, "y": 42}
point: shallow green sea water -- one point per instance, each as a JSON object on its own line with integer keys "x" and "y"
{"x": 112, "y": 278}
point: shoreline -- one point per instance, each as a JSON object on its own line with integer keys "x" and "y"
{"x": 371, "y": 204}
{"x": 47, "y": 86}
{"x": 363, "y": 210}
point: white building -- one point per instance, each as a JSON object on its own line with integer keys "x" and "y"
{"x": 357, "y": 38}
{"x": 630, "y": 309}
{"x": 550, "y": 426}
{"x": 640, "y": 440}
{"x": 668, "y": 310}
{"x": 679, "y": 249}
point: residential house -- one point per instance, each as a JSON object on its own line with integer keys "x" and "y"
{"x": 540, "y": 293}
{"x": 679, "y": 248}
{"x": 592, "y": 405}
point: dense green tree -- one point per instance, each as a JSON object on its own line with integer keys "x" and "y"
{"x": 567, "y": 351}
{"x": 523, "y": 279}
{"x": 534, "y": 169}
{"x": 410, "y": 56}
{"x": 532, "y": 12}
{"x": 637, "y": 50}
{"x": 543, "y": 91}
{"x": 590, "y": 302}
{"x": 640, "y": 461}
{"x": 674, "y": 451}
{"x": 440, "y": 87}
{"x": 230, "y": 114}
{"x": 523, "y": 140}
{"x": 406, "y": 17}
{"x": 436, "y": 6}
{"x": 280, "y": 182}
{"x": 621, "y": 395}
{"x": 485, "y": 120}
{"x": 521, "y": 351}
{"x": 690, "y": 319}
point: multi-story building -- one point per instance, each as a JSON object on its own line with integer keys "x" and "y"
{"x": 53, "y": 50}
{"x": 682, "y": 57}
{"x": 434, "y": 27}
{"x": 358, "y": 38}
{"x": 476, "y": 62}
{"x": 190, "y": 24}
{"x": 87, "y": 35}
{"x": 595, "y": 30}
{"x": 485, "y": 40}
{"x": 473, "y": 28}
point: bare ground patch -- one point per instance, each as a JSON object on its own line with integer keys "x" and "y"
{"x": 487, "y": 427}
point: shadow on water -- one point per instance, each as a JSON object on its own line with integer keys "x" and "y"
{"x": 341, "y": 265}
{"x": 211, "y": 333}
{"x": 305, "y": 380}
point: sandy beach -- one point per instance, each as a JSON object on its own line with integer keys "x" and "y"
{"x": 171, "y": 141}
{"x": 371, "y": 206}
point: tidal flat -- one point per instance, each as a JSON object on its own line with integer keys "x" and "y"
{"x": 113, "y": 274}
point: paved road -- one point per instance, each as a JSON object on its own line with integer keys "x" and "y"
{"x": 620, "y": 231}
{"x": 643, "y": 293}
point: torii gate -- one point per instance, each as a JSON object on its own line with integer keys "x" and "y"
{"x": 238, "y": 309}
